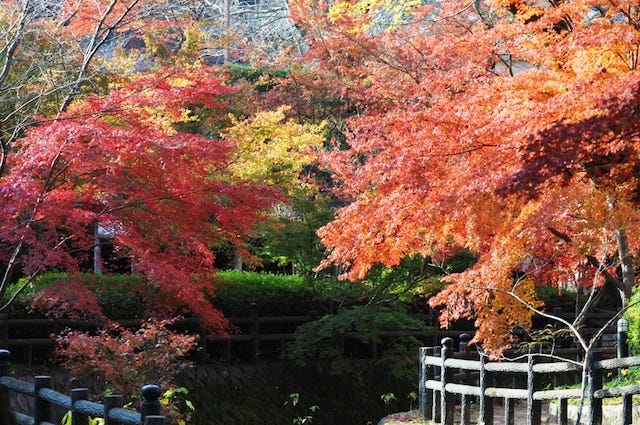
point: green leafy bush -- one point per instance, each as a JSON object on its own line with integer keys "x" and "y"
{"x": 633, "y": 317}
{"x": 554, "y": 297}
{"x": 118, "y": 296}
{"x": 328, "y": 338}
{"x": 125, "y": 296}
{"x": 277, "y": 295}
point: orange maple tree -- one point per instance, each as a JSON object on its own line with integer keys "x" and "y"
{"x": 506, "y": 127}
{"x": 123, "y": 164}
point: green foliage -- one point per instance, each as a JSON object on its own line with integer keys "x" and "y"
{"x": 275, "y": 294}
{"x": 307, "y": 416}
{"x": 633, "y": 316}
{"x": 67, "y": 419}
{"x": 260, "y": 77}
{"x": 412, "y": 282}
{"x": 334, "y": 295}
{"x": 176, "y": 399}
{"x": 335, "y": 336}
{"x": 291, "y": 239}
{"x": 249, "y": 395}
{"x": 119, "y": 296}
{"x": 122, "y": 296}
{"x": 554, "y": 297}
{"x": 627, "y": 376}
{"x": 24, "y": 290}
{"x": 388, "y": 397}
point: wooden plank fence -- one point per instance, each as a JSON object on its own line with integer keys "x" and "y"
{"x": 449, "y": 378}
{"x": 45, "y": 398}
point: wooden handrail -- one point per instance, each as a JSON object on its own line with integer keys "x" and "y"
{"x": 81, "y": 408}
{"x": 255, "y": 326}
{"x": 447, "y": 378}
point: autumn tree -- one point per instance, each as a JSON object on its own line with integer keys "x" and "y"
{"x": 121, "y": 162}
{"x": 502, "y": 127}
{"x": 273, "y": 148}
{"x": 53, "y": 51}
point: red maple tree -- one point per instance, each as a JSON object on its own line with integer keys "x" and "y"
{"x": 504, "y": 127}
{"x": 122, "y": 163}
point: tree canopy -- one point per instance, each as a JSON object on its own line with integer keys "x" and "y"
{"x": 121, "y": 164}
{"x": 504, "y": 127}
{"x": 100, "y": 138}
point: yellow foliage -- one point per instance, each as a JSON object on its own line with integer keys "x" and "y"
{"x": 179, "y": 82}
{"x": 365, "y": 13}
{"x": 272, "y": 149}
{"x": 345, "y": 8}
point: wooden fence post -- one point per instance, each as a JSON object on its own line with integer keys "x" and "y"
{"x": 465, "y": 400}
{"x": 111, "y": 402}
{"x": 427, "y": 398}
{"x": 423, "y": 401}
{"x": 255, "y": 331}
{"x": 534, "y": 407}
{"x": 437, "y": 374}
{"x": 4, "y": 330}
{"x": 622, "y": 328}
{"x": 595, "y": 384}
{"x": 509, "y": 411}
{"x": 563, "y": 413}
{"x": 464, "y": 339}
{"x": 447, "y": 400}
{"x": 5, "y": 356}
{"x": 510, "y": 405}
{"x": 42, "y": 408}
{"x": 6, "y": 415}
{"x": 627, "y": 410}
{"x": 78, "y": 418}
{"x": 150, "y": 405}
{"x": 486, "y": 403}
{"x": 202, "y": 338}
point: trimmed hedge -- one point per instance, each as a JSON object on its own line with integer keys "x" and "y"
{"x": 276, "y": 295}
{"x": 119, "y": 295}
{"x": 125, "y": 296}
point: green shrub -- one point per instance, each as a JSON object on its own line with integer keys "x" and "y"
{"x": 21, "y": 293}
{"x": 119, "y": 296}
{"x": 554, "y": 297}
{"x": 260, "y": 77}
{"x": 275, "y": 295}
{"x": 336, "y": 336}
{"x": 633, "y": 316}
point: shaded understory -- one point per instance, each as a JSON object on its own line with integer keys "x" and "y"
{"x": 346, "y": 393}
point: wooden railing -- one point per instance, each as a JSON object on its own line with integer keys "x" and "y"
{"x": 258, "y": 337}
{"x": 449, "y": 378}
{"x": 77, "y": 403}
